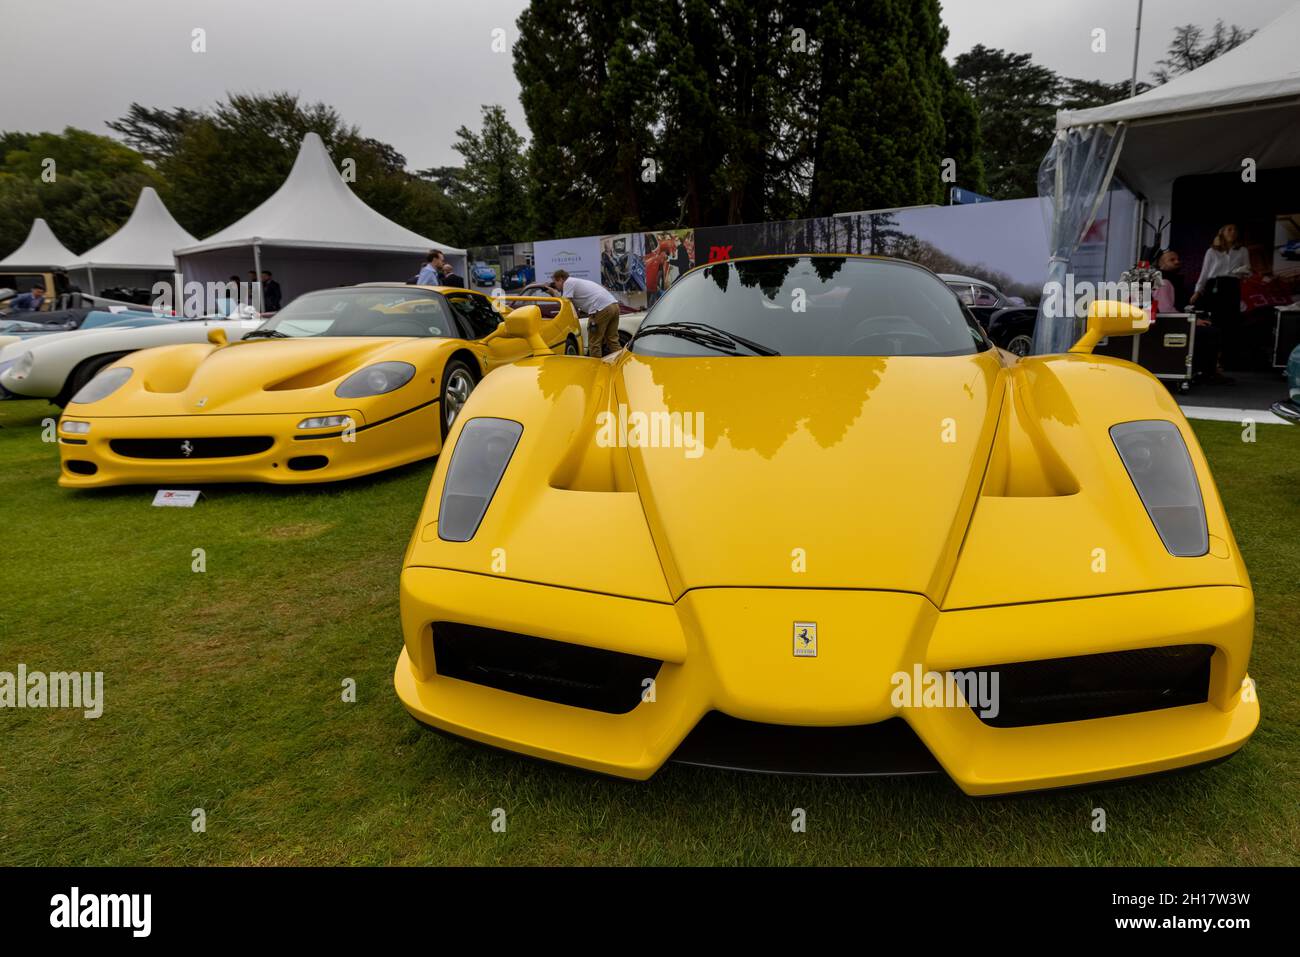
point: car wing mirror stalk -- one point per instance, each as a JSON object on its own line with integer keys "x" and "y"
{"x": 1108, "y": 317}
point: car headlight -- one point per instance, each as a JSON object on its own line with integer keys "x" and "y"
{"x": 326, "y": 422}
{"x": 74, "y": 428}
{"x": 375, "y": 380}
{"x": 1157, "y": 460}
{"x": 103, "y": 385}
{"x": 23, "y": 365}
{"x": 482, "y": 453}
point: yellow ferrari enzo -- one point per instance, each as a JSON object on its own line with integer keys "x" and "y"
{"x": 816, "y": 523}
{"x": 339, "y": 383}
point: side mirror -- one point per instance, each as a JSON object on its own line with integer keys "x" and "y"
{"x": 526, "y": 323}
{"x": 1107, "y": 317}
{"x": 217, "y": 337}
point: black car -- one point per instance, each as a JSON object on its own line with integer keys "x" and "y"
{"x": 1009, "y": 322}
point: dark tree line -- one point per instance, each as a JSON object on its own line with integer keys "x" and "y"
{"x": 641, "y": 114}
{"x": 707, "y": 112}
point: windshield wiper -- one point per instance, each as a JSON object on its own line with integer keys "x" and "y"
{"x": 268, "y": 333}
{"x": 706, "y": 335}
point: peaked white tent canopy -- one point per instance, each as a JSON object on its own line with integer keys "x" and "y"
{"x": 312, "y": 233}
{"x": 1241, "y": 106}
{"x": 41, "y": 250}
{"x": 1245, "y": 103}
{"x": 136, "y": 253}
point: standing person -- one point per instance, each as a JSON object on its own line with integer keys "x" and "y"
{"x": 683, "y": 259}
{"x": 29, "y": 301}
{"x": 270, "y": 292}
{"x": 1219, "y": 286}
{"x": 232, "y": 296}
{"x": 450, "y": 278}
{"x": 599, "y": 304}
{"x": 431, "y": 271}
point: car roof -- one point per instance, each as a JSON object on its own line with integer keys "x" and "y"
{"x": 953, "y": 277}
{"x": 403, "y": 285}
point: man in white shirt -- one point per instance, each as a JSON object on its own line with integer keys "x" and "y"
{"x": 431, "y": 272}
{"x": 593, "y": 300}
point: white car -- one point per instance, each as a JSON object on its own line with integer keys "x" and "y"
{"x": 56, "y": 366}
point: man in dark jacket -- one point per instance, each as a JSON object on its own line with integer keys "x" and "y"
{"x": 270, "y": 293}
{"x": 449, "y": 278}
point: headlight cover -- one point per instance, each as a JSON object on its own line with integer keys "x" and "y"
{"x": 103, "y": 385}
{"x": 326, "y": 422}
{"x": 23, "y": 365}
{"x": 482, "y": 453}
{"x": 375, "y": 380}
{"x": 1157, "y": 460}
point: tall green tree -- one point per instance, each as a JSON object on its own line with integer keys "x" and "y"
{"x": 1016, "y": 100}
{"x": 494, "y": 180}
{"x": 1193, "y": 46}
{"x": 220, "y": 164}
{"x": 881, "y": 136}
{"x": 83, "y": 185}
{"x": 587, "y": 92}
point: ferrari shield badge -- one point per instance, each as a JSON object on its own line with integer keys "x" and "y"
{"x": 805, "y": 639}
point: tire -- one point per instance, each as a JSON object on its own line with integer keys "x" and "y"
{"x": 1021, "y": 345}
{"x": 571, "y": 347}
{"x": 83, "y": 373}
{"x": 458, "y": 381}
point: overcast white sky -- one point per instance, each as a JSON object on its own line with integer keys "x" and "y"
{"x": 410, "y": 72}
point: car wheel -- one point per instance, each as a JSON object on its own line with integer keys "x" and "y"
{"x": 82, "y": 374}
{"x": 457, "y": 383}
{"x": 1021, "y": 345}
{"x": 570, "y": 346}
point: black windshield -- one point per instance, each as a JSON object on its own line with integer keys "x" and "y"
{"x": 364, "y": 311}
{"x": 813, "y": 306}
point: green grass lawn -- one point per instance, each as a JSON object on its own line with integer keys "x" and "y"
{"x": 223, "y": 692}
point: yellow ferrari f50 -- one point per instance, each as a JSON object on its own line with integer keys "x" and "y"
{"x": 339, "y": 383}
{"x": 815, "y": 522}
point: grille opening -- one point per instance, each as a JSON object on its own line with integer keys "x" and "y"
{"x": 223, "y": 447}
{"x": 543, "y": 668}
{"x": 308, "y": 463}
{"x": 79, "y": 467}
{"x": 888, "y": 747}
{"x": 1054, "y": 690}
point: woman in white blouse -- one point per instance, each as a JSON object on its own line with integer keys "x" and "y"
{"x": 1219, "y": 284}
{"x": 1225, "y": 257}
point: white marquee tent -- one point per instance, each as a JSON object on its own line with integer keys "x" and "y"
{"x": 312, "y": 233}
{"x": 41, "y": 250}
{"x": 137, "y": 253}
{"x": 1243, "y": 105}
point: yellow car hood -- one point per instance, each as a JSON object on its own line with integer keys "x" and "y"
{"x": 973, "y": 480}
{"x": 813, "y": 472}
{"x": 255, "y": 376}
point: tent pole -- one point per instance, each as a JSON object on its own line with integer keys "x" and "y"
{"x": 257, "y": 276}
{"x": 90, "y": 276}
{"x": 1137, "y": 42}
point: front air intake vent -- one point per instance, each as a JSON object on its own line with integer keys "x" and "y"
{"x": 556, "y": 671}
{"x": 1054, "y": 690}
{"x": 224, "y": 447}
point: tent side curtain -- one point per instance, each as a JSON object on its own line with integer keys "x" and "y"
{"x": 1072, "y": 183}
{"x": 302, "y": 269}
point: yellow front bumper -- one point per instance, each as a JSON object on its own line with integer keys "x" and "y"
{"x": 731, "y": 650}
{"x": 89, "y": 461}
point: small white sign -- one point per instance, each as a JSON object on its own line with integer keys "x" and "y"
{"x": 175, "y": 498}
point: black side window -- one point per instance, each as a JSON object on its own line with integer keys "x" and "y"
{"x": 477, "y": 312}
